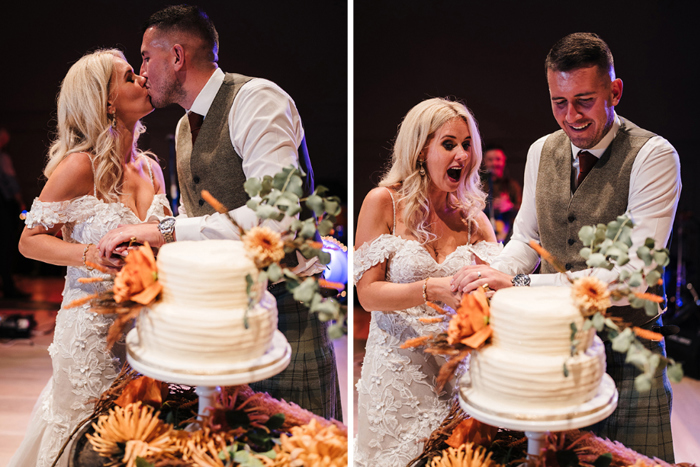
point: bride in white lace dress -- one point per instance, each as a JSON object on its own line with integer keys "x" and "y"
{"x": 97, "y": 180}
{"x": 414, "y": 232}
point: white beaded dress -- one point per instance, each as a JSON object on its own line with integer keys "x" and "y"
{"x": 398, "y": 403}
{"x": 82, "y": 366}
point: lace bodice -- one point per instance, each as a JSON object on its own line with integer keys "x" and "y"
{"x": 82, "y": 366}
{"x": 398, "y": 403}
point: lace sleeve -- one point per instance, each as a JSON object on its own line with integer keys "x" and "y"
{"x": 372, "y": 253}
{"x": 486, "y": 251}
{"x": 48, "y": 214}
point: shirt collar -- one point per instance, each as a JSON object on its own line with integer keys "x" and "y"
{"x": 206, "y": 96}
{"x": 603, "y": 144}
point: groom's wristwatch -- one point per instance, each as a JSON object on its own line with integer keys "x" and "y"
{"x": 166, "y": 227}
{"x": 521, "y": 280}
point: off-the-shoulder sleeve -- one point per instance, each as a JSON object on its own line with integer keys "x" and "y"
{"x": 372, "y": 253}
{"x": 48, "y": 214}
{"x": 486, "y": 251}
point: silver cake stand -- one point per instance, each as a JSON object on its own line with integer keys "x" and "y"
{"x": 537, "y": 424}
{"x": 206, "y": 384}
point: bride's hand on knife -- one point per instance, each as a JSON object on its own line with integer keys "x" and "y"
{"x": 469, "y": 278}
{"x": 439, "y": 289}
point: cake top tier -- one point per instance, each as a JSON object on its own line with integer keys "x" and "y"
{"x": 536, "y": 320}
{"x": 209, "y": 273}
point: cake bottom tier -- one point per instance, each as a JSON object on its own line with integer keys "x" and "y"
{"x": 181, "y": 338}
{"x": 506, "y": 381}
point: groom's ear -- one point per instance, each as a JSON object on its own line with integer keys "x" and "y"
{"x": 178, "y": 57}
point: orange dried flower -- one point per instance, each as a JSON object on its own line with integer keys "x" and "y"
{"x": 264, "y": 246}
{"x": 431, "y": 319}
{"x": 213, "y": 202}
{"x": 648, "y": 335}
{"x": 472, "y": 430}
{"x": 649, "y": 296}
{"x": 415, "y": 342}
{"x": 469, "y": 325}
{"x": 137, "y": 280}
{"x": 590, "y": 295}
{"x": 143, "y": 389}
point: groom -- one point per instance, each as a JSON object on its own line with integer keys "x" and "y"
{"x": 236, "y": 127}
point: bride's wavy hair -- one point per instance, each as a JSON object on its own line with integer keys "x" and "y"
{"x": 415, "y": 133}
{"x": 83, "y": 124}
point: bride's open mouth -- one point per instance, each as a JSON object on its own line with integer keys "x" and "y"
{"x": 454, "y": 173}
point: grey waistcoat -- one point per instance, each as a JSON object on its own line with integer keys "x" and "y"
{"x": 601, "y": 197}
{"x": 213, "y": 163}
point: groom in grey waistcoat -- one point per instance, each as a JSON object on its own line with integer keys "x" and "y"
{"x": 597, "y": 167}
{"x": 236, "y": 127}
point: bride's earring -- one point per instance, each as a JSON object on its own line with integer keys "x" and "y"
{"x": 421, "y": 167}
{"x": 113, "y": 118}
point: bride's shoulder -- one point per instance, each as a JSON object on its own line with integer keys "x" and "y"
{"x": 482, "y": 230}
{"x": 72, "y": 178}
{"x": 376, "y": 216}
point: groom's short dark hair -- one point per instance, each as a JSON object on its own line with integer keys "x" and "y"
{"x": 580, "y": 50}
{"x": 190, "y": 19}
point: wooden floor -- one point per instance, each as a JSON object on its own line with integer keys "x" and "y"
{"x": 685, "y": 417}
{"x": 25, "y": 365}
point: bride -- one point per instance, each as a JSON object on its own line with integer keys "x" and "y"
{"x": 418, "y": 228}
{"x": 97, "y": 179}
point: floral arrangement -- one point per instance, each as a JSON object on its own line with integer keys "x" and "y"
{"x": 277, "y": 198}
{"x": 468, "y": 330}
{"x": 604, "y": 247}
{"x": 136, "y": 284}
{"x": 144, "y": 427}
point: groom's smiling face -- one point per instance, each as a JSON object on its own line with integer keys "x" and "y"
{"x": 157, "y": 66}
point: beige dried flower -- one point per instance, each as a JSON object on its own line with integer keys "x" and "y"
{"x": 467, "y": 455}
{"x": 313, "y": 445}
{"x": 590, "y": 295}
{"x": 264, "y": 246}
{"x": 138, "y": 429}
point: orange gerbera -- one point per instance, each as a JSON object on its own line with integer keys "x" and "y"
{"x": 264, "y": 246}
{"x": 469, "y": 325}
{"x": 591, "y": 295}
{"x": 138, "y": 279}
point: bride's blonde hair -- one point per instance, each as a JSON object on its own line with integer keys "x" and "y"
{"x": 415, "y": 133}
{"x": 85, "y": 126}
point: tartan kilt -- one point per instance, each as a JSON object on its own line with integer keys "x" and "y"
{"x": 642, "y": 421}
{"x": 311, "y": 379}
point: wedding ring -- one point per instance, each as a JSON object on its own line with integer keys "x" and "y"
{"x": 478, "y": 274}
{"x": 485, "y": 287}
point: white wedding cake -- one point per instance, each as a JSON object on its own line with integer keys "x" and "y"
{"x": 528, "y": 368}
{"x": 199, "y": 324}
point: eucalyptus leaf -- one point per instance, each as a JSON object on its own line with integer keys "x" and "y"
{"x": 598, "y": 321}
{"x": 650, "y": 243}
{"x": 293, "y": 210}
{"x": 325, "y": 227}
{"x": 675, "y": 372}
{"x": 644, "y": 253}
{"x": 308, "y": 230}
{"x": 274, "y": 272}
{"x": 661, "y": 258}
{"x": 296, "y": 186}
{"x": 605, "y": 245}
{"x": 324, "y": 257}
{"x": 625, "y": 236}
{"x": 654, "y": 360}
{"x": 253, "y": 204}
{"x": 316, "y": 204}
{"x": 252, "y": 187}
{"x": 651, "y": 308}
{"x": 653, "y": 277}
{"x": 609, "y": 323}
{"x": 327, "y": 309}
{"x": 586, "y": 235}
{"x": 622, "y": 246}
{"x": 566, "y": 371}
{"x": 306, "y": 290}
{"x": 622, "y": 342}
{"x": 585, "y": 253}
{"x": 625, "y": 274}
{"x": 336, "y": 330}
{"x": 597, "y": 260}
{"x": 622, "y": 259}
{"x": 266, "y": 211}
{"x": 636, "y": 279}
{"x": 642, "y": 383}
{"x": 612, "y": 228}
{"x": 141, "y": 462}
{"x": 273, "y": 196}
{"x": 635, "y": 302}
{"x": 638, "y": 356}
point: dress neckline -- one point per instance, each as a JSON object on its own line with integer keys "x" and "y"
{"x": 125, "y": 207}
{"x": 410, "y": 240}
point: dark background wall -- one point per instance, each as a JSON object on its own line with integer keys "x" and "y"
{"x": 491, "y": 55}
{"x": 302, "y": 46}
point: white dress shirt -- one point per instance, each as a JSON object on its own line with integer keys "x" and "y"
{"x": 655, "y": 187}
{"x": 266, "y": 131}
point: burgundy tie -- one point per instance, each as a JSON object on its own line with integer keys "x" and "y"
{"x": 586, "y": 161}
{"x": 195, "y": 124}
